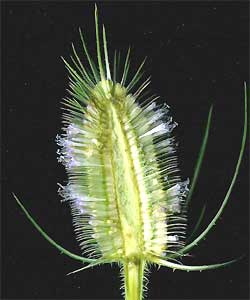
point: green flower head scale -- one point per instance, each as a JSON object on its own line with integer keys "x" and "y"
{"x": 128, "y": 202}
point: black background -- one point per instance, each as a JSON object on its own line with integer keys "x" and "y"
{"x": 197, "y": 55}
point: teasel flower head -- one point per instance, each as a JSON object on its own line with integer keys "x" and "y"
{"x": 127, "y": 198}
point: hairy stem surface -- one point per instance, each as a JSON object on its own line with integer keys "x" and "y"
{"x": 133, "y": 279}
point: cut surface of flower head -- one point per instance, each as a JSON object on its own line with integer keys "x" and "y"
{"x": 126, "y": 196}
{"x": 123, "y": 186}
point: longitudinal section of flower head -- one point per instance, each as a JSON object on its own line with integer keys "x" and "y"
{"x": 122, "y": 185}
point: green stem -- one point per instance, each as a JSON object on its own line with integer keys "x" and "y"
{"x": 133, "y": 278}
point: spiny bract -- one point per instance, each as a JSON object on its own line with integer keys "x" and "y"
{"x": 128, "y": 202}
